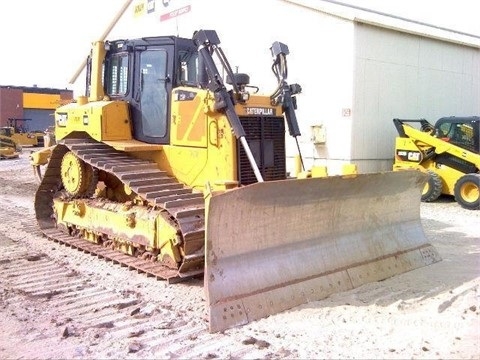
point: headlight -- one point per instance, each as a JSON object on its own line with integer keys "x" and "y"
{"x": 62, "y": 119}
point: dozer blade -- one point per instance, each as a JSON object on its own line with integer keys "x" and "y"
{"x": 275, "y": 245}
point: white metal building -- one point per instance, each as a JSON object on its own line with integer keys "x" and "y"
{"x": 358, "y": 69}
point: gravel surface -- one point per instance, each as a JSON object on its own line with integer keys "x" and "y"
{"x": 57, "y": 302}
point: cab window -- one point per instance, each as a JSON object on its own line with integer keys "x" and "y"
{"x": 117, "y": 75}
{"x": 153, "y": 99}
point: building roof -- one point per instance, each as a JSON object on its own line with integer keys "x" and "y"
{"x": 389, "y": 21}
{"x": 35, "y": 89}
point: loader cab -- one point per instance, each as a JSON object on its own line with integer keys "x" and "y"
{"x": 461, "y": 131}
{"x": 143, "y": 72}
{"x": 6, "y": 131}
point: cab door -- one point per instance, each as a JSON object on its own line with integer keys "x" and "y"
{"x": 150, "y": 105}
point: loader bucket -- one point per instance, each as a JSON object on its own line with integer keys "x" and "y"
{"x": 275, "y": 245}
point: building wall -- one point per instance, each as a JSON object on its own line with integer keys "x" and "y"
{"x": 399, "y": 75}
{"x": 320, "y": 59}
{"x": 40, "y": 107}
{"x": 11, "y": 104}
{"x": 44, "y": 100}
{"x": 41, "y": 118}
{"x": 355, "y": 78}
{"x": 36, "y": 104}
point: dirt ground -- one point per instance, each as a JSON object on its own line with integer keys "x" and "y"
{"x": 57, "y": 302}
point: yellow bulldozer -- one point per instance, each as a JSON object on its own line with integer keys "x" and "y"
{"x": 169, "y": 167}
{"x": 9, "y": 148}
{"x": 19, "y": 131}
{"x": 448, "y": 151}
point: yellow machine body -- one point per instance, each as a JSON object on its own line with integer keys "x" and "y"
{"x": 30, "y": 139}
{"x": 202, "y": 145}
{"x": 448, "y": 175}
{"x": 9, "y": 148}
{"x": 102, "y": 120}
{"x": 452, "y": 162}
{"x": 214, "y": 198}
{"x": 21, "y": 135}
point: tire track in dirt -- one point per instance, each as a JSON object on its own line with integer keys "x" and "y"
{"x": 42, "y": 283}
{"x": 89, "y": 310}
{"x": 69, "y": 313}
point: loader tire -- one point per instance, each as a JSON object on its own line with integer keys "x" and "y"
{"x": 433, "y": 187}
{"x": 467, "y": 191}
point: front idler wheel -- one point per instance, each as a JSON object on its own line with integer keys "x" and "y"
{"x": 78, "y": 177}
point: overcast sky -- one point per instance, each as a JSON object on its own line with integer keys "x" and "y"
{"x": 45, "y": 41}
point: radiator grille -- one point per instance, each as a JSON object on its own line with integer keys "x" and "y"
{"x": 266, "y": 137}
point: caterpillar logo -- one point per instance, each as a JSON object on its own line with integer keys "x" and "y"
{"x": 263, "y": 111}
{"x": 405, "y": 155}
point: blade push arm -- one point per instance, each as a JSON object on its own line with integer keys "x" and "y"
{"x": 285, "y": 93}
{"x": 207, "y": 42}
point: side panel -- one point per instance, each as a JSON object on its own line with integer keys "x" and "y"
{"x": 189, "y": 121}
{"x": 102, "y": 120}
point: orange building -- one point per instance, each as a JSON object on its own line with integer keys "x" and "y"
{"x": 33, "y": 103}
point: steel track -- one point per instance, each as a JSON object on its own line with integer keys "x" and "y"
{"x": 185, "y": 208}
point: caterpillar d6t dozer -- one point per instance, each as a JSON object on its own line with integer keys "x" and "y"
{"x": 162, "y": 169}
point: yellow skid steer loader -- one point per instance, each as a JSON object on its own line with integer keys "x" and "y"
{"x": 449, "y": 152}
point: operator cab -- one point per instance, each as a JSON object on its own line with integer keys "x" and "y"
{"x": 461, "y": 131}
{"x": 144, "y": 72}
{"x": 6, "y": 131}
